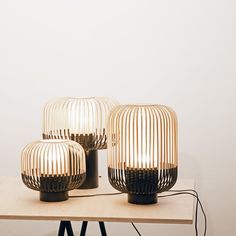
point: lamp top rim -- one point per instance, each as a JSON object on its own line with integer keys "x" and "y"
{"x": 142, "y": 105}
{"x": 53, "y": 141}
{"x": 83, "y": 98}
{"x": 75, "y": 97}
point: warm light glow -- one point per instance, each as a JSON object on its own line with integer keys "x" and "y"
{"x": 53, "y": 163}
{"x": 53, "y": 158}
{"x": 142, "y": 144}
{"x": 81, "y": 117}
{"x": 77, "y": 118}
{"x": 142, "y": 162}
{"x": 53, "y": 167}
{"x": 143, "y": 137}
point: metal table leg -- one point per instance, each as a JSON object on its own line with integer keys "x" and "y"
{"x": 65, "y": 225}
{"x": 62, "y": 228}
{"x": 102, "y": 228}
{"x": 83, "y": 228}
{"x": 69, "y": 228}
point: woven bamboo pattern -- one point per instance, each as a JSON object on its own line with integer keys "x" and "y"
{"x": 142, "y": 148}
{"x": 79, "y": 119}
{"x": 53, "y": 165}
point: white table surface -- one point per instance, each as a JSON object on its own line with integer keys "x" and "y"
{"x": 17, "y": 202}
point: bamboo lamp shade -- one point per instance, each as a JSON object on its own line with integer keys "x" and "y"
{"x": 81, "y": 119}
{"x": 142, "y": 151}
{"x": 53, "y": 167}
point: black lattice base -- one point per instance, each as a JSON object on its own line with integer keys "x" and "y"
{"x": 53, "y": 188}
{"x": 92, "y": 141}
{"x": 142, "y": 181}
{"x": 54, "y": 197}
{"x": 142, "y": 198}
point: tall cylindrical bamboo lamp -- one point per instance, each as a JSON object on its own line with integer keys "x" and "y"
{"x": 142, "y": 151}
{"x": 81, "y": 119}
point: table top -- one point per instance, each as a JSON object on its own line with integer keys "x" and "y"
{"x": 17, "y": 202}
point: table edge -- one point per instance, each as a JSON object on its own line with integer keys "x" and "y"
{"x": 105, "y": 219}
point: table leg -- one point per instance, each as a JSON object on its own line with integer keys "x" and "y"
{"x": 101, "y": 225}
{"x": 62, "y": 228}
{"x": 65, "y": 225}
{"x": 69, "y": 228}
{"x": 83, "y": 229}
{"x": 102, "y": 228}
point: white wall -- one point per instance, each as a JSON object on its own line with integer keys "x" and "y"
{"x": 180, "y": 53}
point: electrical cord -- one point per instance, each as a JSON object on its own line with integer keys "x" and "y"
{"x": 195, "y": 194}
{"x": 176, "y": 192}
{"x": 136, "y": 228}
{"x": 94, "y": 195}
{"x": 186, "y": 192}
{"x": 196, "y": 209}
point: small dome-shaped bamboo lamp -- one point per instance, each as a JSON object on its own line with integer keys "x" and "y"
{"x": 142, "y": 151}
{"x": 81, "y": 119}
{"x": 53, "y": 167}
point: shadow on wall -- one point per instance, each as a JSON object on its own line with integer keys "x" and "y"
{"x": 189, "y": 167}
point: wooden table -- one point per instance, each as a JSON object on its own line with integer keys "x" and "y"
{"x": 21, "y": 203}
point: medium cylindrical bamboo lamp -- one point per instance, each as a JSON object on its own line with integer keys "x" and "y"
{"x": 53, "y": 167}
{"x": 142, "y": 151}
{"x": 82, "y": 120}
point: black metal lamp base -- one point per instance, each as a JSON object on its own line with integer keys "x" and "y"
{"x": 142, "y": 198}
{"x": 53, "y": 197}
{"x": 91, "y": 180}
